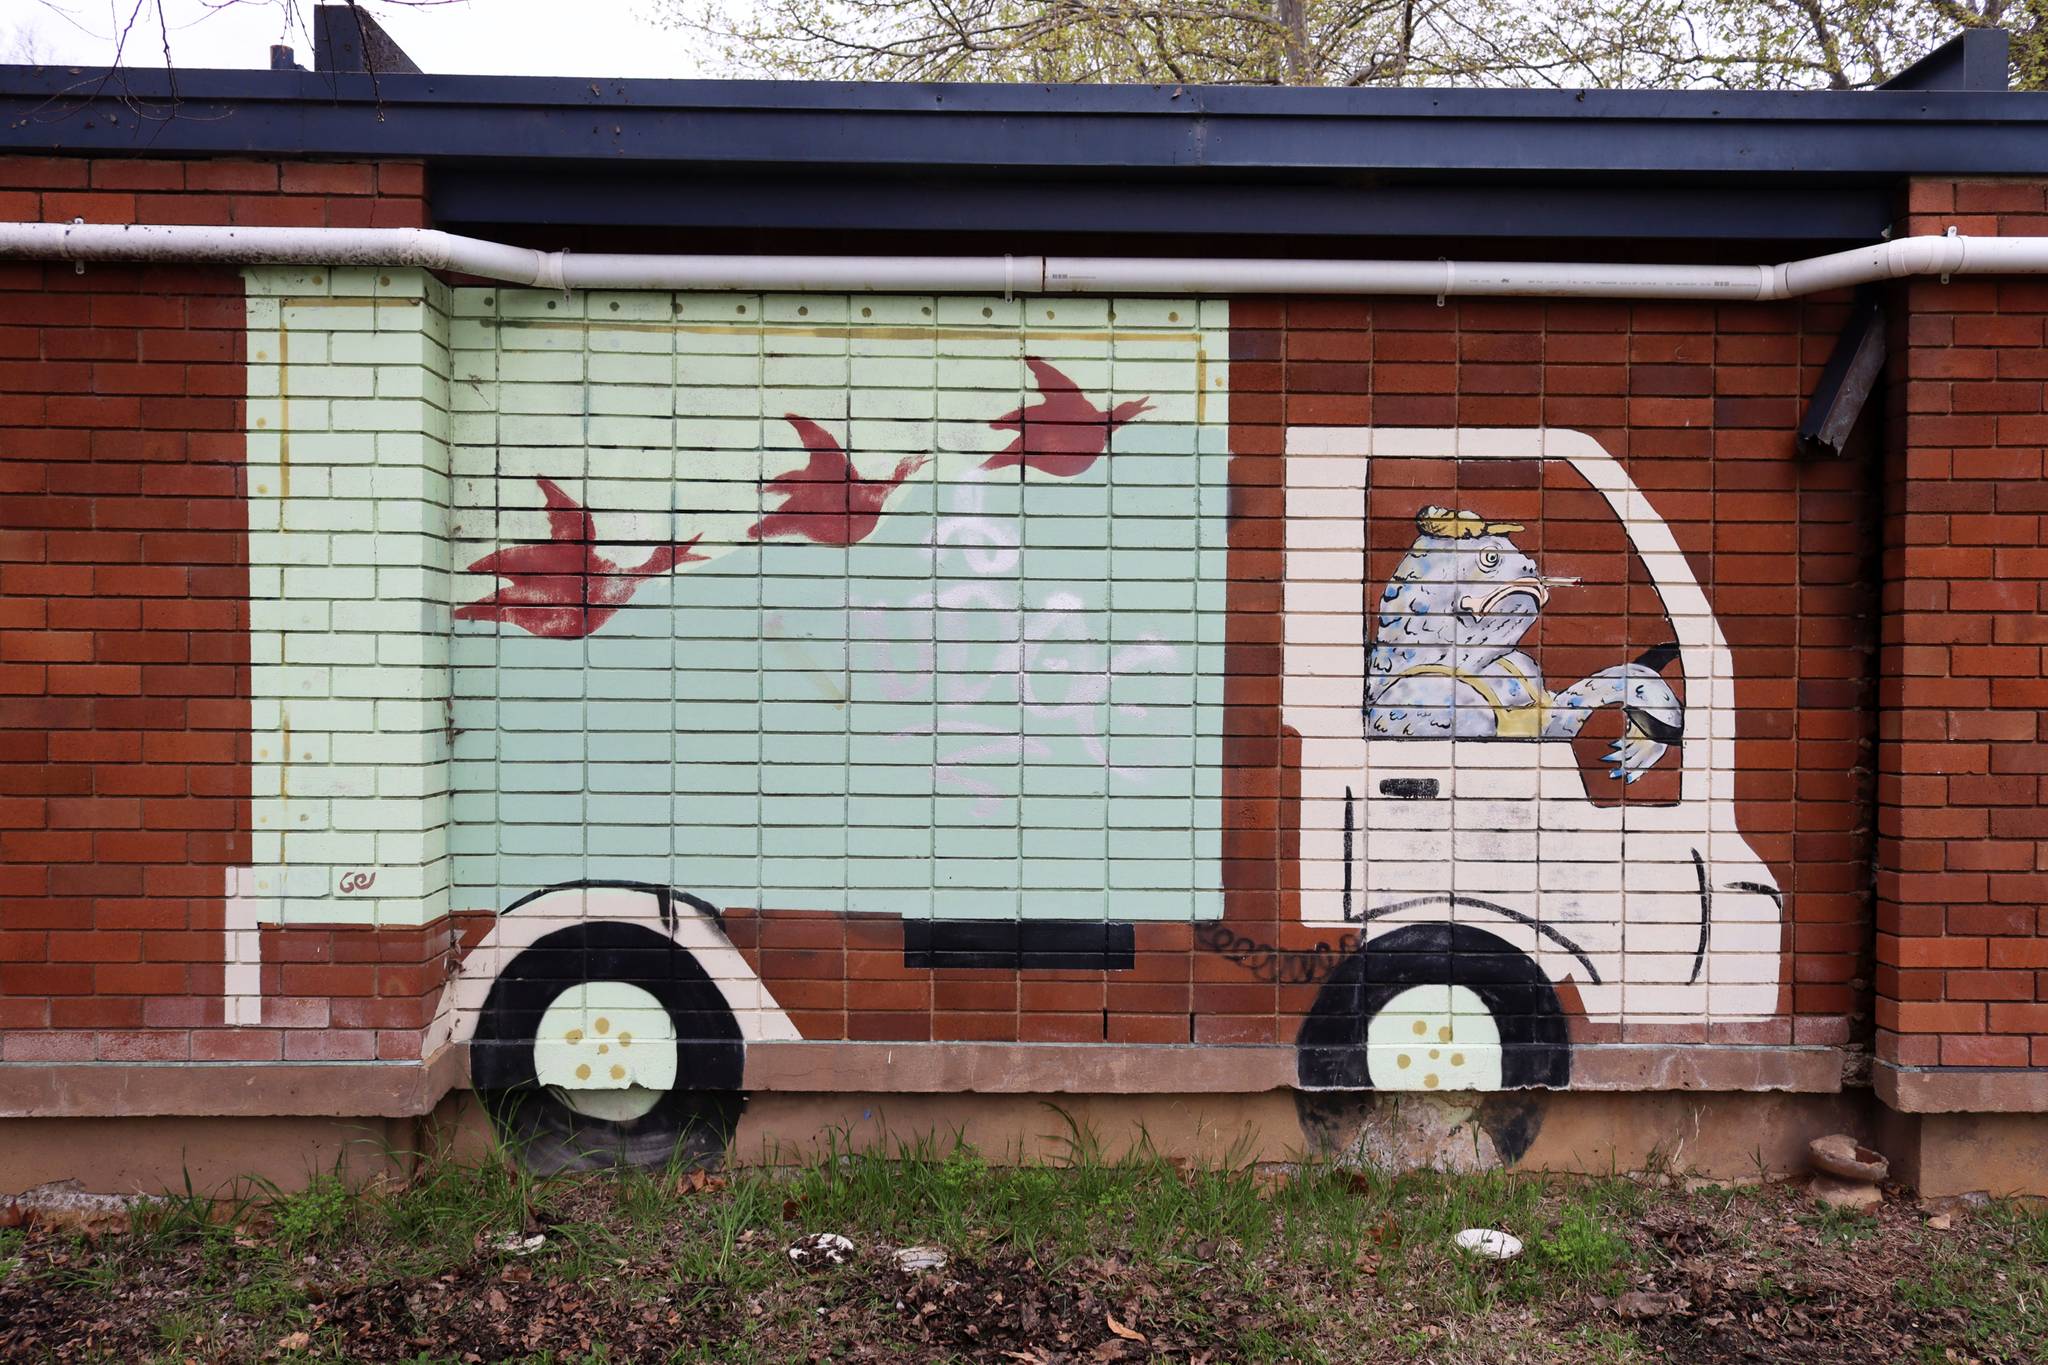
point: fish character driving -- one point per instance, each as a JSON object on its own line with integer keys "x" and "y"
{"x": 1444, "y": 661}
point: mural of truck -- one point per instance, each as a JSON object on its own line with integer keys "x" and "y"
{"x": 1444, "y": 808}
{"x": 917, "y": 612}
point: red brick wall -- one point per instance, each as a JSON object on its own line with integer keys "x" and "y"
{"x": 219, "y": 193}
{"x": 124, "y": 652}
{"x": 1962, "y": 935}
{"x": 124, "y": 720}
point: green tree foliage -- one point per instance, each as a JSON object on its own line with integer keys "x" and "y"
{"x": 1572, "y": 44}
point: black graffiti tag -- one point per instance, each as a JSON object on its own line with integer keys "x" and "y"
{"x": 1278, "y": 965}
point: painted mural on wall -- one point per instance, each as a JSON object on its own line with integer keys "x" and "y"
{"x": 817, "y": 611}
{"x": 1491, "y": 838}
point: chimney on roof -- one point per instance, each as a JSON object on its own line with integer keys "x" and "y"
{"x": 345, "y": 38}
{"x": 281, "y": 58}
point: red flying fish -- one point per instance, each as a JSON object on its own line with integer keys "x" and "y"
{"x": 827, "y": 501}
{"x": 564, "y": 589}
{"x": 1063, "y": 434}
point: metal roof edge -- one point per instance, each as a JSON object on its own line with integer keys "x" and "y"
{"x": 1139, "y": 128}
{"x": 1167, "y": 101}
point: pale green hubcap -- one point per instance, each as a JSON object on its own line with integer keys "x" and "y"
{"x": 1434, "y": 1038}
{"x": 608, "y": 1048}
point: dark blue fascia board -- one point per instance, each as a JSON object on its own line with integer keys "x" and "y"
{"x": 1192, "y": 130}
{"x": 683, "y": 202}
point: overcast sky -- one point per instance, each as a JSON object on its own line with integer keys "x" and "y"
{"x": 519, "y": 37}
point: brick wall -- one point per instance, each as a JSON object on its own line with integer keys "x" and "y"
{"x": 124, "y": 646}
{"x": 217, "y": 193}
{"x": 1962, "y": 933}
{"x": 124, "y": 655}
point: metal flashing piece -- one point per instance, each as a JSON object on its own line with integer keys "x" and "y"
{"x": 1845, "y": 383}
{"x": 1975, "y": 59}
{"x": 346, "y": 38}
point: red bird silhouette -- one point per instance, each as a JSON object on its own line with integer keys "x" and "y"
{"x": 1064, "y": 434}
{"x": 564, "y": 589}
{"x": 827, "y": 501}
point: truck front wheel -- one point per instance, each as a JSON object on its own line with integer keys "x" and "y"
{"x": 1435, "y": 1007}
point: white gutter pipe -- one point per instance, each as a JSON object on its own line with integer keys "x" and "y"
{"x": 431, "y": 249}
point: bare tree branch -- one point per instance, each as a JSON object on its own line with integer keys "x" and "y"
{"x": 1715, "y": 44}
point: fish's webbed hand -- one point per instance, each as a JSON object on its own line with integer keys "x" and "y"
{"x": 1634, "y": 754}
{"x": 1656, "y": 721}
{"x": 1655, "y": 717}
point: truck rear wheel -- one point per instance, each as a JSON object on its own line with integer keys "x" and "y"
{"x": 1435, "y": 1007}
{"x": 607, "y": 1044}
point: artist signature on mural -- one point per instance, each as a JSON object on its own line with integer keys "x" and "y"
{"x": 352, "y": 882}
{"x": 1277, "y": 965}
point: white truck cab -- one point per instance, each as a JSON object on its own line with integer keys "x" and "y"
{"x": 1448, "y": 849}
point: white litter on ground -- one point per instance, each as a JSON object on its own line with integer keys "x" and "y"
{"x": 1492, "y": 1242}
{"x": 921, "y": 1258}
{"x": 821, "y": 1249}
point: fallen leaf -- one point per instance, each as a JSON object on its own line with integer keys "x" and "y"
{"x": 1126, "y": 1333}
{"x": 1640, "y": 1304}
{"x": 297, "y": 1341}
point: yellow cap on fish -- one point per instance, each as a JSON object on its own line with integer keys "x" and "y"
{"x": 1448, "y": 525}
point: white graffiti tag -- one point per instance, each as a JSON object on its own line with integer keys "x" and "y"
{"x": 990, "y": 648}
